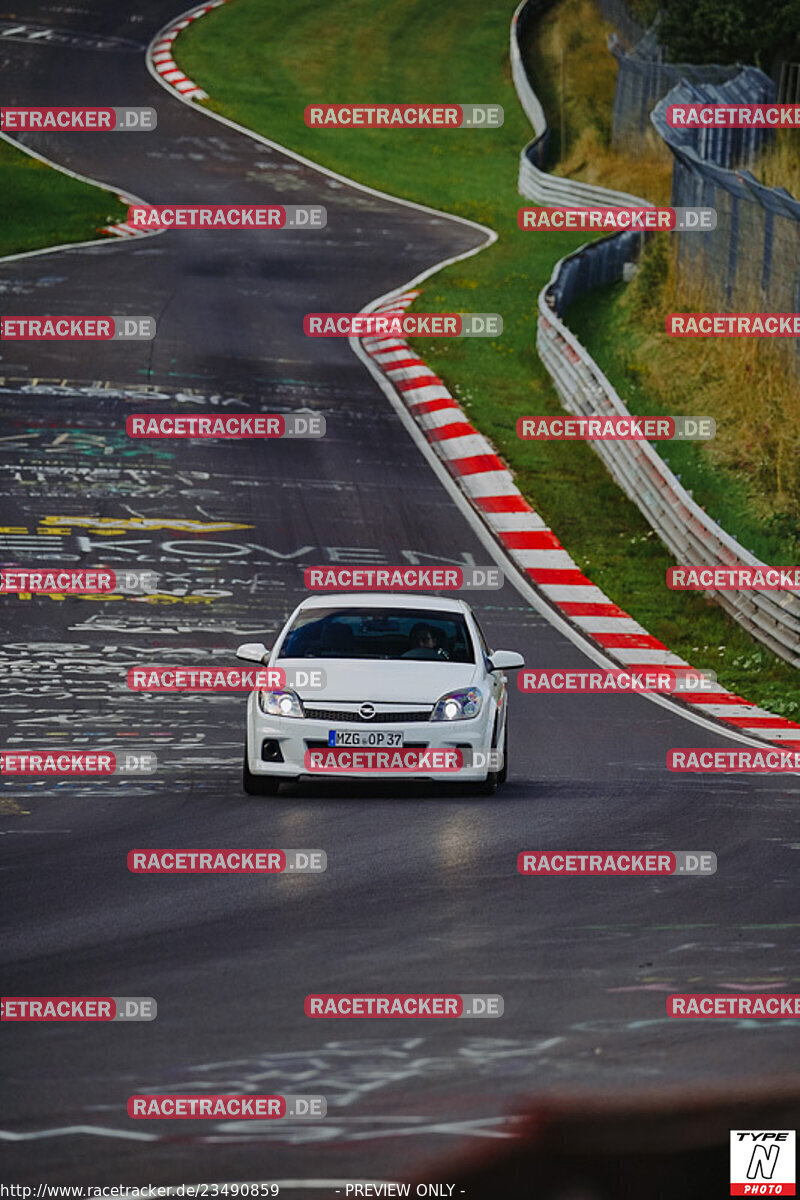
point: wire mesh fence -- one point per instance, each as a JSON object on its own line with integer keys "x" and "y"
{"x": 642, "y": 80}
{"x": 750, "y": 262}
{"x": 627, "y": 23}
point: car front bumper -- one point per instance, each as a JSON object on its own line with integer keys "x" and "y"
{"x": 277, "y": 746}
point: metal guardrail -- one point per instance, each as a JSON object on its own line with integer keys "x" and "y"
{"x": 685, "y": 529}
{"x": 533, "y": 182}
{"x": 717, "y": 146}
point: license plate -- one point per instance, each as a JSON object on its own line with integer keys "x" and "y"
{"x": 359, "y": 737}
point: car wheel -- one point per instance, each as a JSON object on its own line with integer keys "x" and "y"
{"x": 502, "y": 774}
{"x": 488, "y": 786}
{"x": 258, "y": 785}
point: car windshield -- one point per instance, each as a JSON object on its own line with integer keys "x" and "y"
{"x": 391, "y": 633}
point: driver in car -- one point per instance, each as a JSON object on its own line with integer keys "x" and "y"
{"x": 424, "y": 643}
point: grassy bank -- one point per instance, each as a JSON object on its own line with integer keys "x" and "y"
{"x": 779, "y": 164}
{"x": 42, "y": 207}
{"x": 748, "y": 477}
{"x": 575, "y": 81}
{"x": 263, "y": 64}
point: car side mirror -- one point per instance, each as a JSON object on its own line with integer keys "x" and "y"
{"x": 253, "y": 652}
{"x": 506, "y": 660}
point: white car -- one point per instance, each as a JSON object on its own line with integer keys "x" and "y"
{"x": 407, "y": 671}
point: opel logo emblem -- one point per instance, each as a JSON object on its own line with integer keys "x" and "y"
{"x": 367, "y": 711}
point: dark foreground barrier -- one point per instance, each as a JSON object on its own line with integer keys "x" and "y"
{"x": 645, "y": 1145}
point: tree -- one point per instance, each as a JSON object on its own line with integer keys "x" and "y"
{"x": 758, "y": 32}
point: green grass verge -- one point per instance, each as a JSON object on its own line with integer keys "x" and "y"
{"x": 263, "y": 64}
{"x": 619, "y": 342}
{"x": 42, "y": 207}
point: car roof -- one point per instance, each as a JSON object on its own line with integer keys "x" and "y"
{"x": 385, "y": 600}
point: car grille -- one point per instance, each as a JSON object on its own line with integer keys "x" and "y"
{"x": 380, "y": 718}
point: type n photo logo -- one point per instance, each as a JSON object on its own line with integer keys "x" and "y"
{"x": 763, "y": 1162}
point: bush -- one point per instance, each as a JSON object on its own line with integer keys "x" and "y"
{"x": 730, "y": 31}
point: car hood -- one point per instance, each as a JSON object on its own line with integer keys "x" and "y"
{"x": 381, "y": 681}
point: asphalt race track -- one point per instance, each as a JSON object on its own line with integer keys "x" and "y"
{"x": 421, "y": 891}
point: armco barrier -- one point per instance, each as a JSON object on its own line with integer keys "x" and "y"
{"x": 534, "y": 183}
{"x": 686, "y": 530}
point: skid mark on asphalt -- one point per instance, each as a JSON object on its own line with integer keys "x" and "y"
{"x": 46, "y": 35}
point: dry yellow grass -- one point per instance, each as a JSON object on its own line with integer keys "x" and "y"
{"x": 747, "y": 384}
{"x": 575, "y": 77}
{"x": 779, "y": 165}
{"x": 648, "y": 175}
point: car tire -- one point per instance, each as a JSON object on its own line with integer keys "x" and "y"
{"x": 502, "y": 774}
{"x": 488, "y": 786}
{"x": 258, "y": 785}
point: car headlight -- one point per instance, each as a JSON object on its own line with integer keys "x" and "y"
{"x": 458, "y": 706}
{"x": 282, "y": 703}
